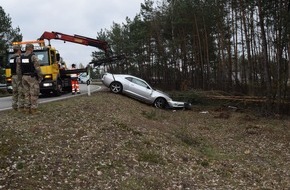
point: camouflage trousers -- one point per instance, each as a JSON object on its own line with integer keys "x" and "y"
{"x": 31, "y": 91}
{"x": 17, "y": 93}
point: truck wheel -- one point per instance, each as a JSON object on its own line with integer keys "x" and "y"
{"x": 58, "y": 90}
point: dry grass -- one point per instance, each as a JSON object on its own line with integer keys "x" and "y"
{"x": 109, "y": 141}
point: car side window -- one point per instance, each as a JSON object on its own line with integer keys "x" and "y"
{"x": 129, "y": 79}
{"x": 139, "y": 82}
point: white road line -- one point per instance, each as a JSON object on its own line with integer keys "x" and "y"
{"x": 53, "y": 99}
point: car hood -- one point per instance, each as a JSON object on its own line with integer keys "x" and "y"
{"x": 160, "y": 93}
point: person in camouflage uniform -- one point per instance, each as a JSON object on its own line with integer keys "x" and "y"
{"x": 30, "y": 80}
{"x": 17, "y": 90}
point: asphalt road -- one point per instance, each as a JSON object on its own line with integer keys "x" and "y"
{"x": 5, "y": 102}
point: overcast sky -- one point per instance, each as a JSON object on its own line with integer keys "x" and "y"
{"x": 82, "y": 17}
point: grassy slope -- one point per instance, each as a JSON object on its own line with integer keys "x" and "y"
{"x": 109, "y": 141}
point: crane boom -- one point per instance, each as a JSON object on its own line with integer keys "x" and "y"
{"x": 103, "y": 45}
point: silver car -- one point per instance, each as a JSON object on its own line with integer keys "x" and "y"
{"x": 141, "y": 90}
{"x": 83, "y": 78}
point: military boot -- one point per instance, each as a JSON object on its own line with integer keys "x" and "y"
{"x": 26, "y": 110}
{"x": 34, "y": 111}
{"x": 21, "y": 109}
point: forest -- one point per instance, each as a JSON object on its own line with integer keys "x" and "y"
{"x": 237, "y": 46}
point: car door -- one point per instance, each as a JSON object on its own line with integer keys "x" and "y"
{"x": 140, "y": 89}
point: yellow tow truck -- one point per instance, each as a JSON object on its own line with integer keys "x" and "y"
{"x": 55, "y": 80}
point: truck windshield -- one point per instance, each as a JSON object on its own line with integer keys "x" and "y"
{"x": 41, "y": 55}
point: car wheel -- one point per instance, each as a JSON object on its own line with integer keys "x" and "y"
{"x": 116, "y": 87}
{"x": 160, "y": 103}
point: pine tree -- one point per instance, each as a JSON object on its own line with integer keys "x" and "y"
{"x": 7, "y": 35}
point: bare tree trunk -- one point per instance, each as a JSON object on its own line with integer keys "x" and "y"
{"x": 288, "y": 38}
{"x": 235, "y": 41}
{"x": 221, "y": 55}
{"x": 244, "y": 78}
{"x": 207, "y": 56}
{"x": 265, "y": 57}
{"x": 200, "y": 53}
{"x": 248, "y": 46}
{"x": 280, "y": 80}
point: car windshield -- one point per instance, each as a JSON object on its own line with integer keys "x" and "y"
{"x": 83, "y": 75}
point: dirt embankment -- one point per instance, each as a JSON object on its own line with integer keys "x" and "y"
{"x": 109, "y": 141}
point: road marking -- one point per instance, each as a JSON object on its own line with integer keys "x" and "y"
{"x": 53, "y": 99}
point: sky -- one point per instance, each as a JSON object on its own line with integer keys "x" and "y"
{"x": 81, "y": 17}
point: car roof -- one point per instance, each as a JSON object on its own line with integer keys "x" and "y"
{"x": 124, "y": 75}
